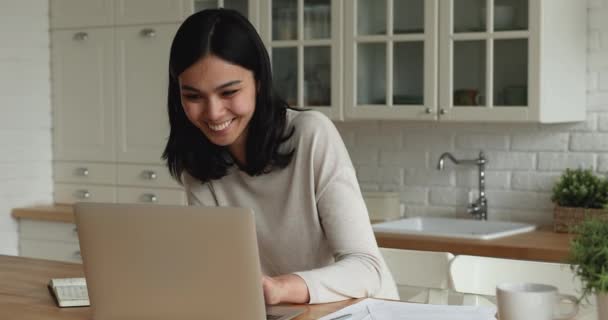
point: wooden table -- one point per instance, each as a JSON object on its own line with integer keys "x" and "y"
{"x": 24, "y": 295}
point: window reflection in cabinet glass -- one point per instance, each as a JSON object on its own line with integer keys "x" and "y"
{"x": 408, "y": 73}
{"x": 409, "y": 16}
{"x": 510, "y": 15}
{"x": 371, "y": 73}
{"x": 469, "y": 15}
{"x": 469, "y": 73}
{"x": 511, "y": 72}
{"x": 371, "y": 17}
{"x": 317, "y": 76}
{"x": 239, "y": 5}
{"x": 284, "y": 19}
{"x": 285, "y": 73}
{"x": 200, "y": 5}
{"x": 317, "y": 19}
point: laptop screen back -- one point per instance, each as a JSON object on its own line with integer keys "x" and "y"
{"x": 170, "y": 262}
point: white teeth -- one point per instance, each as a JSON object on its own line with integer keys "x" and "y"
{"x": 221, "y": 126}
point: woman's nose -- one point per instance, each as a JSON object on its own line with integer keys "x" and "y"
{"x": 215, "y": 109}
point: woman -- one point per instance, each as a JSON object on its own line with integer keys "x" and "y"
{"x": 235, "y": 142}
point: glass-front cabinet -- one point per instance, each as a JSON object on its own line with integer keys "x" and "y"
{"x": 465, "y": 60}
{"x": 391, "y": 59}
{"x": 248, "y": 8}
{"x": 486, "y": 59}
{"x": 303, "y": 38}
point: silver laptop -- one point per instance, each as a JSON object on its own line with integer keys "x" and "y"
{"x": 172, "y": 262}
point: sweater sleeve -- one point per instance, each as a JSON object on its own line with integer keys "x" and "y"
{"x": 358, "y": 268}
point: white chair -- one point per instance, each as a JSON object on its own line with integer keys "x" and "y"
{"x": 421, "y": 276}
{"x": 476, "y": 277}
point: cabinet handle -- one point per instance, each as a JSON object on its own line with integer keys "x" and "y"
{"x": 81, "y": 36}
{"x": 150, "y": 197}
{"x": 77, "y": 254}
{"x": 84, "y": 194}
{"x": 148, "y": 33}
{"x": 75, "y": 230}
{"x": 443, "y": 111}
{"x": 428, "y": 111}
{"x": 150, "y": 175}
{"x": 82, "y": 172}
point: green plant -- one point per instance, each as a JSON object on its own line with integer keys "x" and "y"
{"x": 589, "y": 255}
{"x": 581, "y": 188}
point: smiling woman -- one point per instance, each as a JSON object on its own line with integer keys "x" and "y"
{"x": 235, "y": 142}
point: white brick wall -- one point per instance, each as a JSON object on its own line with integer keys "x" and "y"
{"x": 525, "y": 160}
{"x": 25, "y": 112}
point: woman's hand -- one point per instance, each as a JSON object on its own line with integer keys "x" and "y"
{"x": 288, "y": 288}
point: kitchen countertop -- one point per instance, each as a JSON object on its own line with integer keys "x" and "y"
{"x": 540, "y": 245}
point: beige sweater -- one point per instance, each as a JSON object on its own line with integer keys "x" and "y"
{"x": 310, "y": 216}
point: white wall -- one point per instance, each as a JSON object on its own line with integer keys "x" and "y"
{"x": 525, "y": 160}
{"x": 25, "y": 112}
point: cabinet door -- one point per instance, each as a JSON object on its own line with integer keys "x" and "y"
{"x": 248, "y": 8}
{"x": 391, "y": 59}
{"x": 148, "y": 11}
{"x": 142, "y": 55}
{"x": 486, "y": 60}
{"x": 78, "y": 13}
{"x": 303, "y": 40}
{"x": 83, "y": 94}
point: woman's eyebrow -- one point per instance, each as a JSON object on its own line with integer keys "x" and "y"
{"x": 222, "y": 86}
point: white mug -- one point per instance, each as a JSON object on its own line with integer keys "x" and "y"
{"x": 524, "y": 301}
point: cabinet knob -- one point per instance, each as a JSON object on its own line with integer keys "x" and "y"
{"x": 149, "y": 174}
{"x": 443, "y": 111}
{"x": 84, "y": 194}
{"x": 77, "y": 254}
{"x": 148, "y": 33}
{"x": 428, "y": 111}
{"x": 81, "y": 36}
{"x": 150, "y": 197}
{"x": 82, "y": 172}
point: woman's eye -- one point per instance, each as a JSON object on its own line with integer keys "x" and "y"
{"x": 229, "y": 93}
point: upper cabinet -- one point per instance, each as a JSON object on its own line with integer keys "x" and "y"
{"x": 391, "y": 58}
{"x": 512, "y": 60}
{"x": 248, "y": 8}
{"x": 146, "y": 11}
{"x": 303, "y": 38}
{"x": 448, "y": 60}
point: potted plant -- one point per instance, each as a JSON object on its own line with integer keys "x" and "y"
{"x": 578, "y": 195}
{"x": 589, "y": 260}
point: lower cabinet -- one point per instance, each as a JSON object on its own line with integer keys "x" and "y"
{"x": 49, "y": 240}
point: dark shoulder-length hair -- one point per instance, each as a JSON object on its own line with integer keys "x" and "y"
{"x": 229, "y": 36}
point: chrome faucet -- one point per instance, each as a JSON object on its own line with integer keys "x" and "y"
{"x": 479, "y": 208}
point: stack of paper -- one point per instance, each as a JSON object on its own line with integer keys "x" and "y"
{"x": 373, "y": 309}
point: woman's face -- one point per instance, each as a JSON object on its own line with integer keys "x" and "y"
{"x": 219, "y": 98}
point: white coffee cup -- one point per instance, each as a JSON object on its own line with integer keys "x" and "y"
{"x": 524, "y": 301}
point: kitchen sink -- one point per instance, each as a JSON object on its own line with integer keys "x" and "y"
{"x": 454, "y": 228}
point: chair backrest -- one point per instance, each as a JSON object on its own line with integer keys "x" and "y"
{"x": 476, "y": 277}
{"x": 421, "y": 276}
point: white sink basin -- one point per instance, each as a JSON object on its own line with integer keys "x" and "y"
{"x": 454, "y": 228}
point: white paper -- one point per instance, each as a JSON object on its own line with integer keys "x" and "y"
{"x": 373, "y": 309}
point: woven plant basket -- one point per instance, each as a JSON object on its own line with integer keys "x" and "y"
{"x": 565, "y": 218}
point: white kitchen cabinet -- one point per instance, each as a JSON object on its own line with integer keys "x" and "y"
{"x": 49, "y": 240}
{"x": 142, "y": 57}
{"x": 247, "y": 8}
{"x": 303, "y": 38}
{"x": 83, "y": 94}
{"x": 78, "y": 13}
{"x": 465, "y": 60}
{"x": 128, "y": 12}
